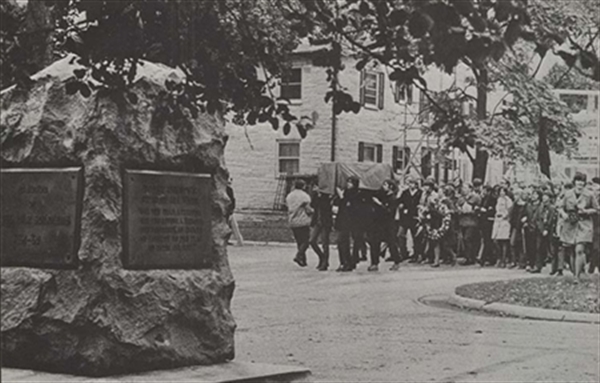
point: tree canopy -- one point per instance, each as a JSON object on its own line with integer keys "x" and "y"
{"x": 232, "y": 50}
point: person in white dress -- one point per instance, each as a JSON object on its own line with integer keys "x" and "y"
{"x": 501, "y": 228}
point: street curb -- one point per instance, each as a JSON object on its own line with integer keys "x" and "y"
{"x": 276, "y": 244}
{"x": 266, "y": 243}
{"x": 522, "y": 311}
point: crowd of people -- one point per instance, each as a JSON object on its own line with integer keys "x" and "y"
{"x": 508, "y": 226}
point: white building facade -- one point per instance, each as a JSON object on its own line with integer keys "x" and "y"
{"x": 263, "y": 162}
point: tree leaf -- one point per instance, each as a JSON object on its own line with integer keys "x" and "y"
{"x": 398, "y": 17}
{"x": 419, "y": 24}
{"x": 72, "y": 87}
{"x": 84, "y": 89}
{"x": 286, "y": 128}
{"x": 252, "y": 117}
{"x": 364, "y": 8}
{"x": 133, "y": 98}
{"x": 513, "y": 30}
{"x": 360, "y": 65}
{"x": 301, "y": 130}
{"x": 79, "y": 73}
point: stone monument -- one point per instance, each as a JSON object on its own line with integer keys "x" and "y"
{"x": 114, "y": 255}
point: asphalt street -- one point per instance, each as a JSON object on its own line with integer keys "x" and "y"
{"x": 378, "y": 327}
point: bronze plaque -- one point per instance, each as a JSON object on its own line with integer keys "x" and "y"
{"x": 41, "y": 217}
{"x": 166, "y": 220}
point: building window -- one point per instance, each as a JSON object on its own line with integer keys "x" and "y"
{"x": 370, "y": 152}
{"x": 289, "y": 157}
{"x": 371, "y": 89}
{"x": 403, "y": 93}
{"x": 400, "y": 158}
{"x": 291, "y": 84}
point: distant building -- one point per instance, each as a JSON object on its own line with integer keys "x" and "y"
{"x": 584, "y": 104}
{"x": 584, "y": 107}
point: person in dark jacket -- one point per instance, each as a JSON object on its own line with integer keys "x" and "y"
{"x": 408, "y": 206}
{"x": 518, "y": 255}
{"x": 321, "y": 224}
{"x": 350, "y": 204}
{"x": 486, "y": 213}
{"x": 450, "y": 242}
{"x": 383, "y": 228}
{"x": 545, "y": 219}
{"x": 530, "y": 229}
{"x": 468, "y": 222}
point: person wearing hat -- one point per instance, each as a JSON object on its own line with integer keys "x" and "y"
{"x": 408, "y": 208}
{"x": 468, "y": 222}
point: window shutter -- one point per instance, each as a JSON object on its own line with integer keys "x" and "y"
{"x": 379, "y": 153}
{"x": 361, "y": 151}
{"x": 380, "y": 81}
{"x": 409, "y": 94}
{"x": 406, "y": 157}
{"x": 361, "y": 87}
{"x": 395, "y": 158}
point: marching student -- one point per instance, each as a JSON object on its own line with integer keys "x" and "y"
{"x": 408, "y": 208}
{"x": 321, "y": 224}
{"x": 383, "y": 228}
{"x": 299, "y": 218}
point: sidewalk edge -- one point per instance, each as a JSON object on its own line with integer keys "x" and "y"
{"x": 524, "y": 312}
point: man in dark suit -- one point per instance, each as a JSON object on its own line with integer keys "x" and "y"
{"x": 408, "y": 207}
{"x": 321, "y": 224}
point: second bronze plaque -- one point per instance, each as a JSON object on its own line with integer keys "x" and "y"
{"x": 166, "y": 220}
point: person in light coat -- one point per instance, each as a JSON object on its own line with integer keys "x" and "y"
{"x": 501, "y": 228}
{"x": 299, "y": 218}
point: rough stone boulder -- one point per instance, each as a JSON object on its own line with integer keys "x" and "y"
{"x": 102, "y": 319}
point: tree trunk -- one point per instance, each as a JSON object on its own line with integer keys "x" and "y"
{"x": 481, "y": 156}
{"x": 543, "y": 149}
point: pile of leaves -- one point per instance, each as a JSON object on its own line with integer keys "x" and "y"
{"x": 557, "y": 293}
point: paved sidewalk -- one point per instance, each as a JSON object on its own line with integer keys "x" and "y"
{"x": 374, "y": 327}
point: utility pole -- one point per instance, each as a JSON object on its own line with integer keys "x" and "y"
{"x": 337, "y": 51}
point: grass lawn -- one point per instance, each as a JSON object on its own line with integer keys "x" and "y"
{"x": 558, "y": 293}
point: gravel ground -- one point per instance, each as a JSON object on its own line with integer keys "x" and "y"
{"x": 558, "y": 293}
